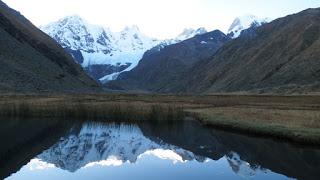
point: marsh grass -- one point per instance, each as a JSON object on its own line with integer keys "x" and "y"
{"x": 94, "y": 110}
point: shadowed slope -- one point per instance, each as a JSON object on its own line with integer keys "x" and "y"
{"x": 30, "y": 61}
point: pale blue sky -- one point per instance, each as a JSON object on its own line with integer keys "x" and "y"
{"x": 158, "y": 18}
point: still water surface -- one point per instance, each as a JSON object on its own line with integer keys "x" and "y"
{"x": 88, "y": 150}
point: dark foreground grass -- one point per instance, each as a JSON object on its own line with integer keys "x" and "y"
{"x": 294, "y": 118}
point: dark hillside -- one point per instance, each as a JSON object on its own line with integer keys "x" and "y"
{"x": 30, "y": 61}
{"x": 282, "y": 56}
{"x": 161, "y": 70}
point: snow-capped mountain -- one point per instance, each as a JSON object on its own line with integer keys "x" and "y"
{"x": 109, "y": 144}
{"x": 102, "y": 53}
{"x": 245, "y": 22}
{"x": 96, "y": 48}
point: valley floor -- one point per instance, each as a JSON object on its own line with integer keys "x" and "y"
{"x": 294, "y": 118}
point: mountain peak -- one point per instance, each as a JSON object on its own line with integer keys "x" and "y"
{"x": 244, "y": 22}
{"x": 132, "y": 28}
{"x": 201, "y": 30}
{"x": 73, "y": 19}
{"x": 71, "y": 22}
{"x": 190, "y": 32}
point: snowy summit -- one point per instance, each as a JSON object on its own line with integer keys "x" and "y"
{"x": 245, "y": 22}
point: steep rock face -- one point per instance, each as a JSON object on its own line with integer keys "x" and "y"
{"x": 30, "y": 61}
{"x": 161, "y": 68}
{"x": 281, "y": 56}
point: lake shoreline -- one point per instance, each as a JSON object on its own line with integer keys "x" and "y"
{"x": 291, "y": 118}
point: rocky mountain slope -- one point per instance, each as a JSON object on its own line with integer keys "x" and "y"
{"x": 30, "y": 61}
{"x": 161, "y": 69}
{"x": 102, "y": 53}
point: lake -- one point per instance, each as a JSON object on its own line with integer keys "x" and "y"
{"x": 64, "y": 149}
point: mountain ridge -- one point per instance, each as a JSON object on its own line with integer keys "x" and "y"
{"x": 276, "y": 57}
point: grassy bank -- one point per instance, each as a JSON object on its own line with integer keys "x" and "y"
{"x": 301, "y": 126}
{"x": 296, "y": 118}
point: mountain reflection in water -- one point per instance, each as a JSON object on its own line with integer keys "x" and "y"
{"x": 59, "y": 150}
